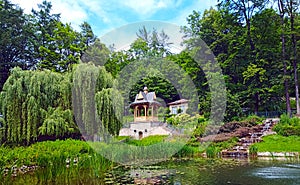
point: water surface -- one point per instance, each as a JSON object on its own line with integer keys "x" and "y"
{"x": 194, "y": 172}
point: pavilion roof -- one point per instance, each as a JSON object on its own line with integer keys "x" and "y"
{"x": 144, "y": 98}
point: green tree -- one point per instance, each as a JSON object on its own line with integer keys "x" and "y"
{"x": 28, "y": 99}
{"x": 44, "y": 24}
{"x": 99, "y": 54}
{"x": 268, "y": 58}
{"x": 292, "y": 7}
{"x": 150, "y": 44}
{"x": 282, "y": 12}
{"x": 15, "y": 34}
{"x": 87, "y": 35}
{"x": 97, "y": 105}
{"x": 244, "y": 10}
{"x": 57, "y": 45}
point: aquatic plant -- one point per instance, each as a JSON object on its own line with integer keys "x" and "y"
{"x": 212, "y": 151}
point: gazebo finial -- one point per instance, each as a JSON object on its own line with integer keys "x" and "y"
{"x": 145, "y": 89}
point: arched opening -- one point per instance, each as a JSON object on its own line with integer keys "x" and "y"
{"x": 140, "y": 134}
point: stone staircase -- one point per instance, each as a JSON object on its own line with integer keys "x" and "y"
{"x": 257, "y": 132}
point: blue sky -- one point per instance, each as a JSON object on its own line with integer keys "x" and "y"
{"x": 106, "y": 15}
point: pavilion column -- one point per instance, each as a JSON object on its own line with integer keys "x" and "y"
{"x": 152, "y": 112}
{"x": 145, "y": 107}
{"x": 135, "y": 113}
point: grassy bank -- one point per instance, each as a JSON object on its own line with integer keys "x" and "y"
{"x": 277, "y": 143}
{"x": 51, "y": 161}
{"x": 63, "y": 160}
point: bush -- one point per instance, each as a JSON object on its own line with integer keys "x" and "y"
{"x": 253, "y": 119}
{"x": 253, "y": 150}
{"x": 288, "y": 126}
{"x": 180, "y": 119}
{"x": 249, "y": 121}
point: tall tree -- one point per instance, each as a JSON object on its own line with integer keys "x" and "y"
{"x": 150, "y": 44}
{"x": 282, "y": 12}
{"x": 64, "y": 51}
{"x": 292, "y": 7}
{"x": 57, "y": 45}
{"x": 97, "y": 53}
{"x": 87, "y": 35}
{"x": 97, "y": 105}
{"x": 14, "y": 38}
{"x": 245, "y": 9}
{"x": 32, "y": 107}
{"x": 268, "y": 57}
{"x": 44, "y": 24}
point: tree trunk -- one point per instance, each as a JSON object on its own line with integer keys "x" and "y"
{"x": 256, "y": 103}
{"x": 295, "y": 73}
{"x": 286, "y": 84}
{"x": 294, "y": 58}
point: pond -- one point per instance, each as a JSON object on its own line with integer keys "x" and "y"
{"x": 196, "y": 172}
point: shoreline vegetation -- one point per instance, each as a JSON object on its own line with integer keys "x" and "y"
{"x": 63, "y": 85}
{"x": 64, "y": 159}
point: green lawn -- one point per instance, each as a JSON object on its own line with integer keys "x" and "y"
{"x": 277, "y": 143}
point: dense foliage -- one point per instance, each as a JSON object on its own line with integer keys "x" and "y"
{"x": 255, "y": 42}
{"x": 34, "y": 103}
{"x": 39, "y": 40}
{"x": 288, "y": 126}
{"x": 97, "y": 104}
{"x": 38, "y": 105}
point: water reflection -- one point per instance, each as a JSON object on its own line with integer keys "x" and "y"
{"x": 195, "y": 172}
{"x": 218, "y": 173}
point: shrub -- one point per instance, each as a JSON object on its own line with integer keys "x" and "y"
{"x": 253, "y": 150}
{"x": 253, "y": 119}
{"x": 288, "y": 126}
{"x": 249, "y": 121}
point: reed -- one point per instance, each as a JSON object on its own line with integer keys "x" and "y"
{"x": 53, "y": 161}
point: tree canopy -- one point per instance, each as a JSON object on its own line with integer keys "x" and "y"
{"x": 56, "y": 80}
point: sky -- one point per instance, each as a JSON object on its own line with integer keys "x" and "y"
{"x": 106, "y": 15}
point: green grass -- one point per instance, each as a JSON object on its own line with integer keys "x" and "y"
{"x": 277, "y": 143}
{"x": 214, "y": 149}
{"x": 150, "y": 140}
{"x": 51, "y": 158}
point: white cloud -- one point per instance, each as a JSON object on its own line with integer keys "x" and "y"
{"x": 27, "y": 6}
{"x": 104, "y": 15}
{"x": 70, "y": 11}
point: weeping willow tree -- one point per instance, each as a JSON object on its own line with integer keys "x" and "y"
{"x": 109, "y": 109}
{"x": 25, "y": 98}
{"x": 39, "y": 105}
{"x": 97, "y": 104}
{"x": 57, "y": 123}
